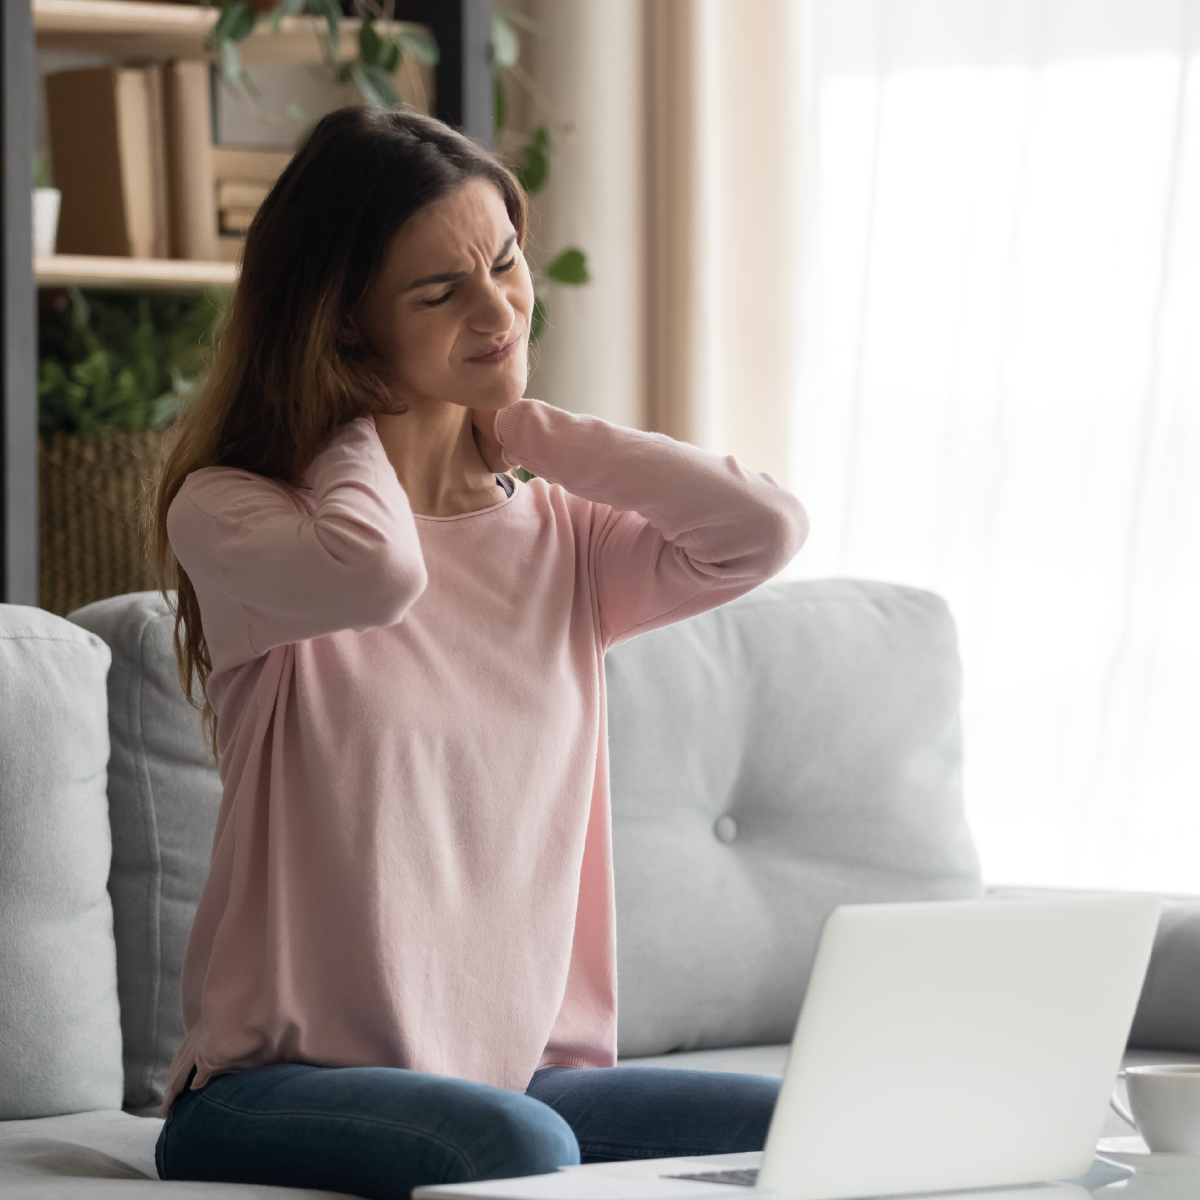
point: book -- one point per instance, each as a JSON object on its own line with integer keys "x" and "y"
{"x": 107, "y": 146}
{"x": 188, "y": 119}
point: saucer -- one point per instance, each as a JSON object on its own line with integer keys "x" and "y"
{"x": 1133, "y": 1152}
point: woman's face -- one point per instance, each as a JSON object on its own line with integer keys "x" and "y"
{"x": 449, "y": 309}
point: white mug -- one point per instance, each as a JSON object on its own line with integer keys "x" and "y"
{"x": 1164, "y": 1106}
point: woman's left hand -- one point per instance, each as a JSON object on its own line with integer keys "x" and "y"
{"x": 483, "y": 424}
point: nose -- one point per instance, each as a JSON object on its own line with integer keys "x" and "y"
{"x": 491, "y": 312}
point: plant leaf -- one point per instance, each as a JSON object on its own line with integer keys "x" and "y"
{"x": 332, "y": 12}
{"x": 534, "y": 166}
{"x": 235, "y": 22}
{"x": 570, "y": 266}
{"x": 506, "y": 45}
{"x": 375, "y": 85}
{"x": 390, "y": 58}
{"x": 231, "y": 61}
{"x": 369, "y": 43}
{"x": 538, "y": 321}
{"x": 421, "y": 44}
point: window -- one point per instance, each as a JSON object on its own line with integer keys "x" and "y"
{"x": 999, "y": 395}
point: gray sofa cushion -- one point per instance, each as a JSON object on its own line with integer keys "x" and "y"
{"x": 60, "y": 1035}
{"x": 163, "y": 793}
{"x": 1168, "y": 1013}
{"x": 788, "y": 752}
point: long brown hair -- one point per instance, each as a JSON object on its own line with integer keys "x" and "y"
{"x": 283, "y": 375}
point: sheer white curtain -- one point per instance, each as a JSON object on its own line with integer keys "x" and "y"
{"x": 999, "y": 394}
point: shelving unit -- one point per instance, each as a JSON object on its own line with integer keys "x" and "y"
{"x": 167, "y": 274}
{"x": 130, "y": 29}
{"x": 134, "y": 31}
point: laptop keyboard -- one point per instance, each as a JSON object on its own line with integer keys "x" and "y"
{"x": 743, "y": 1177}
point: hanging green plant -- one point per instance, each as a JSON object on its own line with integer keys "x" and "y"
{"x": 371, "y": 70}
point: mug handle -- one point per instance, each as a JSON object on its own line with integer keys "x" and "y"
{"x": 1120, "y": 1108}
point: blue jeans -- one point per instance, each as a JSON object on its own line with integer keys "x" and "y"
{"x": 379, "y": 1131}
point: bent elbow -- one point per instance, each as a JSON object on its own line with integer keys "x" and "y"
{"x": 789, "y": 532}
{"x": 397, "y": 587}
{"x": 382, "y": 595}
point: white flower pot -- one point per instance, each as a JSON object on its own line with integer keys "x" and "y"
{"x": 46, "y": 202}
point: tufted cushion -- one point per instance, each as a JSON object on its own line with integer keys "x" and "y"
{"x": 60, "y": 1035}
{"x": 788, "y": 752}
{"x": 163, "y": 793}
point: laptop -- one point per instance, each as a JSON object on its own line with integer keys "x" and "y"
{"x": 942, "y": 1046}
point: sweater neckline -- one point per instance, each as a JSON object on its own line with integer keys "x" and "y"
{"x": 477, "y": 512}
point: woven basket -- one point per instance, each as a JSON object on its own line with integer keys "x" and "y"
{"x": 95, "y": 517}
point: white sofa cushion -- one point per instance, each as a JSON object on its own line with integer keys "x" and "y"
{"x": 164, "y": 792}
{"x": 788, "y": 752}
{"x": 60, "y": 1034}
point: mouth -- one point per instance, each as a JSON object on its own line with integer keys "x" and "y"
{"x": 497, "y": 355}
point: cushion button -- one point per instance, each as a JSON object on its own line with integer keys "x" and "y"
{"x": 725, "y": 827}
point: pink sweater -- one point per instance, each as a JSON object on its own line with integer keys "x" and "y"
{"x": 412, "y": 863}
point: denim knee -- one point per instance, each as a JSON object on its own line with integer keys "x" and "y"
{"x": 521, "y": 1136}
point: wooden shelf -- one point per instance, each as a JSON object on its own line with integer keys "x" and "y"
{"x": 163, "y": 274}
{"x": 129, "y": 29}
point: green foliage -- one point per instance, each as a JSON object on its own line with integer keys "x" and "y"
{"x": 422, "y": 45}
{"x": 570, "y": 266}
{"x": 370, "y": 71}
{"x": 235, "y": 22}
{"x": 534, "y": 166}
{"x": 119, "y": 360}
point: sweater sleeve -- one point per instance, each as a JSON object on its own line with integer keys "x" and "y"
{"x": 281, "y": 574}
{"x": 684, "y": 530}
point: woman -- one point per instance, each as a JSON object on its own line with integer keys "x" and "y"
{"x": 402, "y": 967}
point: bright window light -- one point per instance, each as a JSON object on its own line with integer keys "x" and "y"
{"x": 999, "y": 397}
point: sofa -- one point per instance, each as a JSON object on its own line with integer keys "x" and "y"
{"x": 796, "y": 749}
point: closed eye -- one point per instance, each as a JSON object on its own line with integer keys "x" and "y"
{"x": 437, "y": 300}
{"x": 500, "y": 268}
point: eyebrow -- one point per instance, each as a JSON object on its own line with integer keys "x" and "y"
{"x": 453, "y": 276}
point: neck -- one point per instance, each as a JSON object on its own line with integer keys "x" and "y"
{"x": 435, "y": 457}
